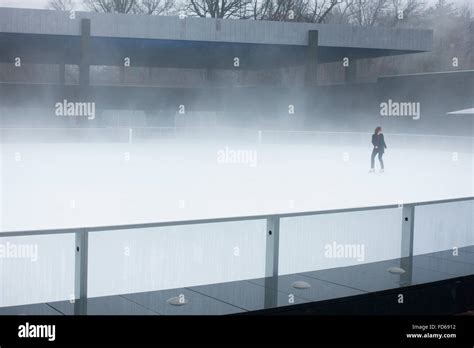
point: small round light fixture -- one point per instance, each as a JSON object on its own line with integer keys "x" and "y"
{"x": 301, "y": 285}
{"x": 177, "y": 301}
{"x": 396, "y": 270}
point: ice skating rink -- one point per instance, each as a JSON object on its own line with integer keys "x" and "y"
{"x": 48, "y": 186}
{"x": 75, "y": 185}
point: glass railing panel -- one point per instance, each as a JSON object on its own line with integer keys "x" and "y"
{"x": 36, "y": 269}
{"x": 145, "y": 259}
{"x": 443, "y": 226}
{"x": 314, "y": 242}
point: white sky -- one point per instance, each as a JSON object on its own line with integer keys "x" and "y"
{"x": 43, "y": 3}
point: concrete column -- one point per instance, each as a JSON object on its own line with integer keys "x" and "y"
{"x": 350, "y": 72}
{"x": 209, "y": 76}
{"x": 62, "y": 73}
{"x": 310, "y": 80}
{"x": 311, "y": 64}
{"x": 150, "y": 76}
{"x": 84, "y": 67}
{"x": 122, "y": 75}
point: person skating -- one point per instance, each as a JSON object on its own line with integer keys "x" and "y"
{"x": 378, "y": 142}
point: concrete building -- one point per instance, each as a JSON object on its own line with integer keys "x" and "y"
{"x": 88, "y": 40}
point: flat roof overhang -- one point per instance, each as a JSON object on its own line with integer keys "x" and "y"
{"x": 52, "y": 37}
{"x": 61, "y": 49}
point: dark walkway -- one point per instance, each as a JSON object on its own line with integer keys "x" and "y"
{"x": 438, "y": 283}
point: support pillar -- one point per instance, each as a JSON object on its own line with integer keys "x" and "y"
{"x": 150, "y": 76}
{"x": 84, "y": 67}
{"x": 122, "y": 75}
{"x": 62, "y": 73}
{"x": 311, "y": 64}
{"x": 350, "y": 72}
{"x": 311, "y": 78}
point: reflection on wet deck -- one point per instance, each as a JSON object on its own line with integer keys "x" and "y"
{"x": 341, "y": 290}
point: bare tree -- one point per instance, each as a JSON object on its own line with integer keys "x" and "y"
{"x": 155, "y": 7}
{"x": 405, "y": 11}
{"x": 149, "y": 7}
{"x": 314, "y": 11}
{"x": 340, "y": 13}
{"x": 311, "y": 11}
{"x": 277, "y": 10}
{"x": 379, "y": 12}
{"x": 367, "y": 12}
{"x": 216, "y": 8}
{"x": 61, "y": 5}
{"x": 470, "y": 44}
{"x": 112, "y": 6}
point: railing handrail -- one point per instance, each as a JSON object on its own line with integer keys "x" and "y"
{"x": 272, "y": 241}
{"x": 224, "y": 219}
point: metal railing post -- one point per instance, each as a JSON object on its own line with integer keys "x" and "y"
{"x": 80, "y": 275}
{"x": 271, "y": 261}
{"x": 272, "y": 246}
{"x": 406, "y": 252}
{"x": 408, "y": 227}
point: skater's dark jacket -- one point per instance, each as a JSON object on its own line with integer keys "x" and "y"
{"x": 379, "y": 141}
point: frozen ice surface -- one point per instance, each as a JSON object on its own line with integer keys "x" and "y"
{"x": 75, "y": 185}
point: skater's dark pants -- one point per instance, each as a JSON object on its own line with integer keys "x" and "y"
{"x": 372, "y": 158}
